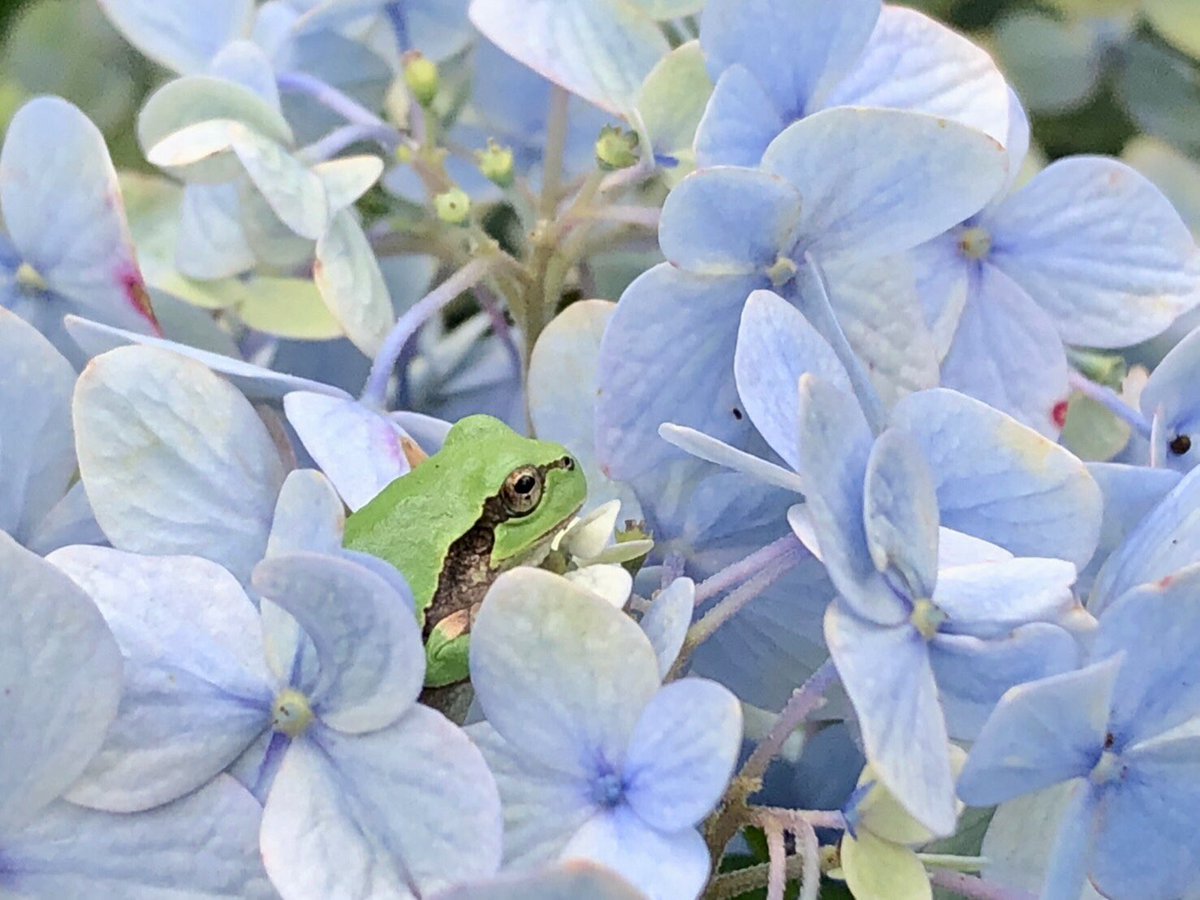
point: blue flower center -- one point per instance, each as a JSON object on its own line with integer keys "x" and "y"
{"x": 608, "y": 790}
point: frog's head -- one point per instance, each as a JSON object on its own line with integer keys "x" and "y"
{"x": 537, "y": 486}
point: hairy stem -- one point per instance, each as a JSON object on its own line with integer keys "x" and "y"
{"x": 740, "y": 571}
{"x": 975, "y": 888}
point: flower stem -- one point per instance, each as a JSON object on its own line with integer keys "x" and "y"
{"x": 342, "y": 104}
{"x": 375, "y": 390}
{"x": 975, "y": 888}
{"x": 1110, "y": 400}
{"x": 805, "y": 700}
{"x": 740, "y": 571}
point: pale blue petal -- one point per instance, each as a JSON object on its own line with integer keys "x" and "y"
{"x": 775, "y": 346}
{"x": 211, "y": 243}
{"x": 879, "y": 310}
{"x": 958, "y": 549}
{"x": 360, "y": 449}
{"x": 294, "y": 192}
{"x": 203, "y": 845}
{"x": 987, "y": 600}
{"x": 1159, "y": 799}
{"x": 900, "y": 514}
{"x": 60, "y": 681}
{"x": 438, "y": 28}
{"x": 739, "y": 121}
{"x": 666, "y": 621}
{"x": 943, "y": 281}
{"x": 1100, "y": 248}
{"x": 37, "y": 452}
{"x": 70, "y": 521}
{"x": 309, "y": 516}
{"x": 175, "y": 459}
{"x": 835, "y": 445}
{"x": 667, "y": 356}
{"x": 560, "y": 672}
{"x": 1169, "y": 398}
{"x": 601, "y": 50}
{"x": 1157, "y": 626}
{"x": 254, "y": 381}
{"x": 887, "y": 675}
{"x": 368, "y": 644}
{"x": 351, "y": 283}
{"x": 381, "y": 814}
{"x": 1001, "y": 481}
{"x": 729, "y": 221}
{"x": 973, "y": 674}
{"x": 245, "y": 62}
{"x": 542, "y": 807}
{"x": 196, "y": 693}
{"x": 63, "y": 212}
{"x": 857, "y": 200}
{"x": 663, "y": 865}
{"x": 1066, "y": 872}
{"x": 1130, "y": 494}
{"x": 682, "y": 752}
{"x": 1007, "y": 353}
{"x": 570, "y": 880}
{"x": 1167, "y": 539}
{"x": 179, "y": 34}
{"x": 796, "y": 48}
{"x": 711, "y": 450}
{"x": 912, "y": 62}
{"x": 1041, "y": 733}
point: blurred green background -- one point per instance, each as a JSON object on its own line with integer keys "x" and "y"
{"x": 1120, "y": 77}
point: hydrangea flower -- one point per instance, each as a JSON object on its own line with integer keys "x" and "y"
{"x": 594, "y": 757}
{"x": 775, "y": 62}
{"x": 313, "y": 700}
{"x": 1122, "y": 732}
{"x": 60, "y": 684}
{"x": 66, "y": 245}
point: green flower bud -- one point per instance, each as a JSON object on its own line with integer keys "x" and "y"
{"x": 453, "y": 206}
{"x": 616, "y": 148}
{"x": 496, "y": 164}
{"x": 421, "y": 76}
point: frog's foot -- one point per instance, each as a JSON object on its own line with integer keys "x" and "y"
{"x": 446, "y": 650}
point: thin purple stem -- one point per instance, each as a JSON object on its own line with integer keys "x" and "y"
{"x": 777, "y": 861}
{"x": 804, "y": 701}
{"x": 739, "y": 571}
{"x": 1110, "y": 400}
{"x": 342, "y": 137}
{"x": 491, "y": 305}
{"x": 342, "y": 104}
{"x": 375, "y": 390}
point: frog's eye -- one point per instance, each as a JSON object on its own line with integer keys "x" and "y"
{"x": 522, "y": 491}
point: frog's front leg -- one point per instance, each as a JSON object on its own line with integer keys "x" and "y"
{"x": 447, "y": 670}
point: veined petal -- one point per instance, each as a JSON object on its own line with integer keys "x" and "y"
{"x": 666, "y": 621}
{"x": 987, "y": 600}
{"x": 710, "y": 449}
{"x": 176, "y": 33}
{"x": 739, "y": 121}
{"x": 1100, "y": 249}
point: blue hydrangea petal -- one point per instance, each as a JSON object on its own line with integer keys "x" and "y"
{"x": 739, "y": 121}
{"x": 178, "y": 34}
{"x": 835, "y": 445}
{"x": 309, "y": 515}
{"x": 543, "y": 807}
{"x": 958, "y": 549}
{"x": 573, "y": 878}
{"x": 663, "y": 865}
{"x": 856, "y": 200}
{"x": 360, "y": 449}
{"x": 1066, "y": 239}
{"x": 1157, "y": 627}
{"x": 37, "y": 452}
{"x": 558, "y": 671}
{"x": 913, "y": 62}
{"x": 211, "y": 242}
{"x": 943, "y": 281}
{"x": 1041, "y": 733}
{"x": 331, "y": 815}
{"x": 60, "y": 682}
{"x": 886, "y": 673}
{"x": 700, "y": 445}
{"x": 368, "y": 644}
{"x": 666, "y": 621}
{"x": 1066, "y": 872}
{"x": 1130, "y": 494}
{"x": 796, "y": 49}
{"x": 174, "y": 459}
{"x": 254, "y": 381}
{"x": 1007, "y": 353}
{"x": 70, "y": 521}
{"x": 63, "y": 212}
{"x": 1166, "y": 540}
{"x": 1169, "y": 399}
{"x": 206, "y": 841}
{"x": 1040, "y": 500}
{"x": 729, "y": 221}
{"x": 775, "y": 346}
{"x": 1160, "y": 798}
{"x": 987, "y": 600}
{"x": 973, "y": 674}
{"x": 900, "y": 514}
{"x": 682, "y": 752}
{"x": 187, "y": 712}
{"x": 667, "y": 356}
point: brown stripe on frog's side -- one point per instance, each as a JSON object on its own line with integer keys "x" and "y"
{"x": 469, "y": 572}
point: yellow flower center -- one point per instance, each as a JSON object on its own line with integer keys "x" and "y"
{"x": 291, "y": 713}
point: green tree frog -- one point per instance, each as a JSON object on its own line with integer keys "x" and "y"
{"x": 487, "y": 501}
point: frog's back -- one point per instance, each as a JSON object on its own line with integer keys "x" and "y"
{"x": 412, "y": 521}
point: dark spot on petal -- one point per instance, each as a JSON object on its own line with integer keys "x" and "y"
{"x": 737, "y": 414}
{"x": 1059, "y": 414}
{"x": 135, "y": 290}
{"x": 1180, "y": 444}
{"x": 1109, "y": 740}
